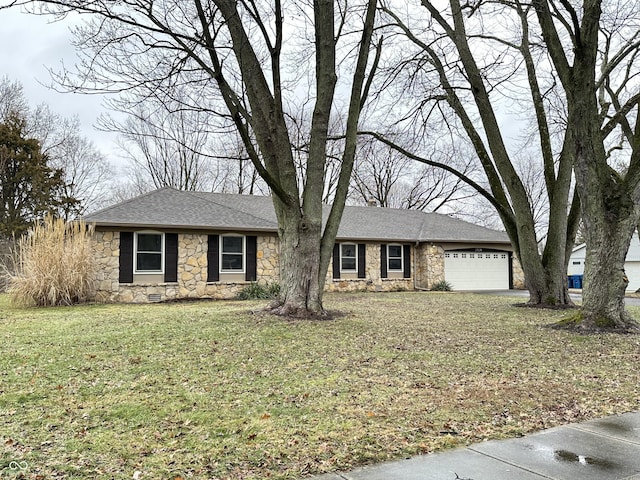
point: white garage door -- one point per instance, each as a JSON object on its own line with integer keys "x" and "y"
{"x": 477, "y": 270}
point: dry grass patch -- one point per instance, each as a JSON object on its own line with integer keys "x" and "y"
{"x": 206, "y": 390}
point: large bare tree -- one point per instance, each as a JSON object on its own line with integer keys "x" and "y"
{"x": 595, "y": 50}
{"x": 460, "y": 60}
{"x": 236, "y": 51}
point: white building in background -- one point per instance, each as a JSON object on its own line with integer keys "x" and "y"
{"x": 631, "y": 265}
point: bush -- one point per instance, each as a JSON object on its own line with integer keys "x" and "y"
{"x": 55, "y": 265}
{"x": 259, "y": 291}
{"x": 441, "y": 286}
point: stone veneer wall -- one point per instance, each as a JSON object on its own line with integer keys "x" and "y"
{"x": 373, "y": 281}
{"x": 192, "y": 271}
{"x": 430, "y": 265}
{"x": 518, "y": 274}
{"x": 106, "y": 254}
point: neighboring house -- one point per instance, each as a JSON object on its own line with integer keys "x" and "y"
{"x": 631, "y": 264}
{"x": 175, "y": 244}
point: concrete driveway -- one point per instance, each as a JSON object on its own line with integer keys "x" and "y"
{"x": 576, "y": 295}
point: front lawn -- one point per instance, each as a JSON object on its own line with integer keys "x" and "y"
{"x": 209, "y": 390}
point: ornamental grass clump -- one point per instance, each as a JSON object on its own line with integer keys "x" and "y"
{"x": 54, "y": 265}
{"x": 441, "y": 286}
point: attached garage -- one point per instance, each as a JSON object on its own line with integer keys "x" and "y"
{"x": 477, "y": 270}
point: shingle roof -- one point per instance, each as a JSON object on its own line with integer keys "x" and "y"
{"x": 169, "y": 208}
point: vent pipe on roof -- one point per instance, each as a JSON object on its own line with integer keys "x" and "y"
{"x": 372, "y": 202}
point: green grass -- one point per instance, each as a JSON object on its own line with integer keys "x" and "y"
{"x": 208, "y": 390}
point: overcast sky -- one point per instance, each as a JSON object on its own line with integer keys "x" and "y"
{"x": 30, "y": 45}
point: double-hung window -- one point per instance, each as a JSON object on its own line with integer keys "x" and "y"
{"x": 348, "y": 257}
{"x": 232, "y": 249}
{"x": 394, "y": 258}
{"x": 149, "y": 252}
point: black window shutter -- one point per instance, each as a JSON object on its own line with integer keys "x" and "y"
{"x": 362, "y": 260}
{"x": 126, "y": 257}
{"x": 407, "y": 261}
{"x": 170, "y": 257}
{"x": 251, "y": 260}
{"x": 213, "y": 259}
{"x": 336, "y": 260}
{"x": 383, "y": 260}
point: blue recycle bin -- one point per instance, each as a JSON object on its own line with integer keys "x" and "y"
{"x": 574, "y": 281}
{"x": 577, "y": 281}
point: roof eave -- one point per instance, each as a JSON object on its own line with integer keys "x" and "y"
{"x": 166, "y": 226}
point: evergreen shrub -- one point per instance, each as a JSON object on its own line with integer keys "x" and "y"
{"x": 260, "y": 291}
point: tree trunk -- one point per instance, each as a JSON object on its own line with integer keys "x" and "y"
{"x": 605, "y": 281}
{"x": 300, "y": 290}
{"x": 608, "y": 200}
{"x": 547, "y": 284}
{"x": 610, "y": 218}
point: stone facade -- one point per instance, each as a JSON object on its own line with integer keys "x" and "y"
{"x": 268, "y": 257}
{"x": 430, "y": 265}
{"x": 427, "y": 265}
{"x": 106, "y": 253}
{"x": 373, "y": 281}
{"x": 192, "y": 271}
{"x": 518, "y": 274}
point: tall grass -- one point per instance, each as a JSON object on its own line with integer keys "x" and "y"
{"x": 54, "y": 266}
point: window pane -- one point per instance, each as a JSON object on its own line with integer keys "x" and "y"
{"x": 348, "y": 263}
{"x": 348, "y": 250}
{"x": 149, "y": 262}
{"x": 395, "y": 251}
{"x": 231, "y": 261}
{"x": 232, "y": 244}
{"x": 149, "y": 242}
{"x": 395, "y": 264}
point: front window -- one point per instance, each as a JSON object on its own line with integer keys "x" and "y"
{"x": 232, "y": 253}
{"x": 394, "y": 257}
{"x": 149, "y": 252}
{"x": 348, "y": 259}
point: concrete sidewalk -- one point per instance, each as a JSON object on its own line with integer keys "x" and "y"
{"x": 604, "y": 449}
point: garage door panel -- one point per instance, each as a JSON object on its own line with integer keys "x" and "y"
{"x": 477, "y": 270}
